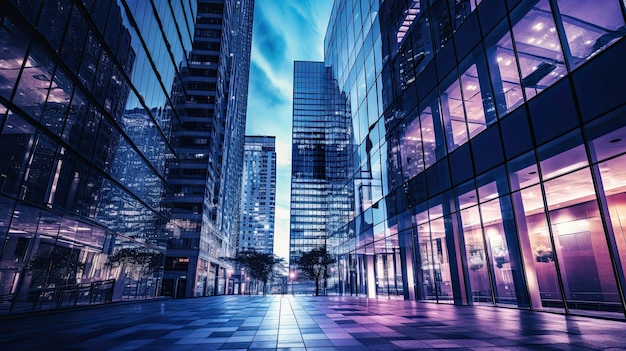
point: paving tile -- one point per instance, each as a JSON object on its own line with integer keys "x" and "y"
{"x": 243, "y": 338}
{"x": 346, "y": 342}
{"x": 337, "y": 335}
{"x": 245, "y": 328}
{"x": 263, "y": 344}
{"x": 311, "y": 323}
{"x": 318, "y": 343}
{"x": 383, "y": 347}
{"x": 410, "y": 344}
{"x": 133, "y": 344}
{"x": 222, "y": 333}
{"x": 265, "y": 338}
{"x": 235, "y": 346}
{"x": 289, "y": 331}
{"x": 315, "y": 336}
{"x": 290, "y": 345}
{"x": 290, "y": 339}
{"x": 267, "y": 332}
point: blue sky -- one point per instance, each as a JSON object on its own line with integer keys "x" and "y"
{"x": 284, "y": 31}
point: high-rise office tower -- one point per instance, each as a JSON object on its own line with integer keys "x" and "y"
{"x": 320, "y": 202}
{"x": 258, "y": 203}
{"x": 87, "y": 96}
{"x": 206, "y": 170}
{"x": 493, "y": 136}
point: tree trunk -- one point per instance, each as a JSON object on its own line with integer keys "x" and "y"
{"x": 317, "y": 287}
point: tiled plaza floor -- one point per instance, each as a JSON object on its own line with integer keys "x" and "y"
{"x": 306, "y": 323}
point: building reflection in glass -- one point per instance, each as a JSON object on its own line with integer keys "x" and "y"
{"x": 320, "y": 202}
{"x": 83, "y": 138}
{"x": 491, "y": 194}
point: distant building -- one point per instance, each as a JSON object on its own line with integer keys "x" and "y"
{"x": 258, "y": 203}
{"x": 208, "y": 140}
{"x": 320, "y": 202}
{"x": 489, "y": 141}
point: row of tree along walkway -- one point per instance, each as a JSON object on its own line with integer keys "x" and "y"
{"x": 263, "y": 267}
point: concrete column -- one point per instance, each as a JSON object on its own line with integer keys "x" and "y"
{"x": 406, "y": 256}
{"x": 371, "y": 277}
{"x": 528, "y": 257}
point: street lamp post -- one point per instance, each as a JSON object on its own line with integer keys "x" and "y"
{"x": 332, "y": 274}
{"x": 292, "y": 276}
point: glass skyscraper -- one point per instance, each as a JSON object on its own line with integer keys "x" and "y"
{"x": 119, "y": 123}
{"x": 205, "y": 173}
{"x": 88, "y": 92}
{"x": 258, "y": 205}
{"x": 320, "y": 202}
{"x": 488, "y": 141}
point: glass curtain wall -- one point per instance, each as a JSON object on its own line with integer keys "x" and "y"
{"x": 85, "y": 109}
{"x": 538, "y": 224}
{"x": 563, "y": 230}
{"x": 321, "y": 202}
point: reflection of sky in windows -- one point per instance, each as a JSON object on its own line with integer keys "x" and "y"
{"x": 523, "y": 59}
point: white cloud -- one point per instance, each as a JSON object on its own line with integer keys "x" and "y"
{"x": 283, "y": 153}
{"x": 281, "y": 236}
{"x": 277, "y": 78}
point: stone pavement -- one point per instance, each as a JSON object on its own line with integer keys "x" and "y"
{"x": 306, "y": 323}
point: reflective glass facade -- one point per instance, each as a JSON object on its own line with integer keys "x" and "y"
{"x": 87, "y": 96}
{"x": 258, "y": 203}
{"x": 319, "y": 202}
{"x": 208, "y": 139}
{"x": 490, "y": 136}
